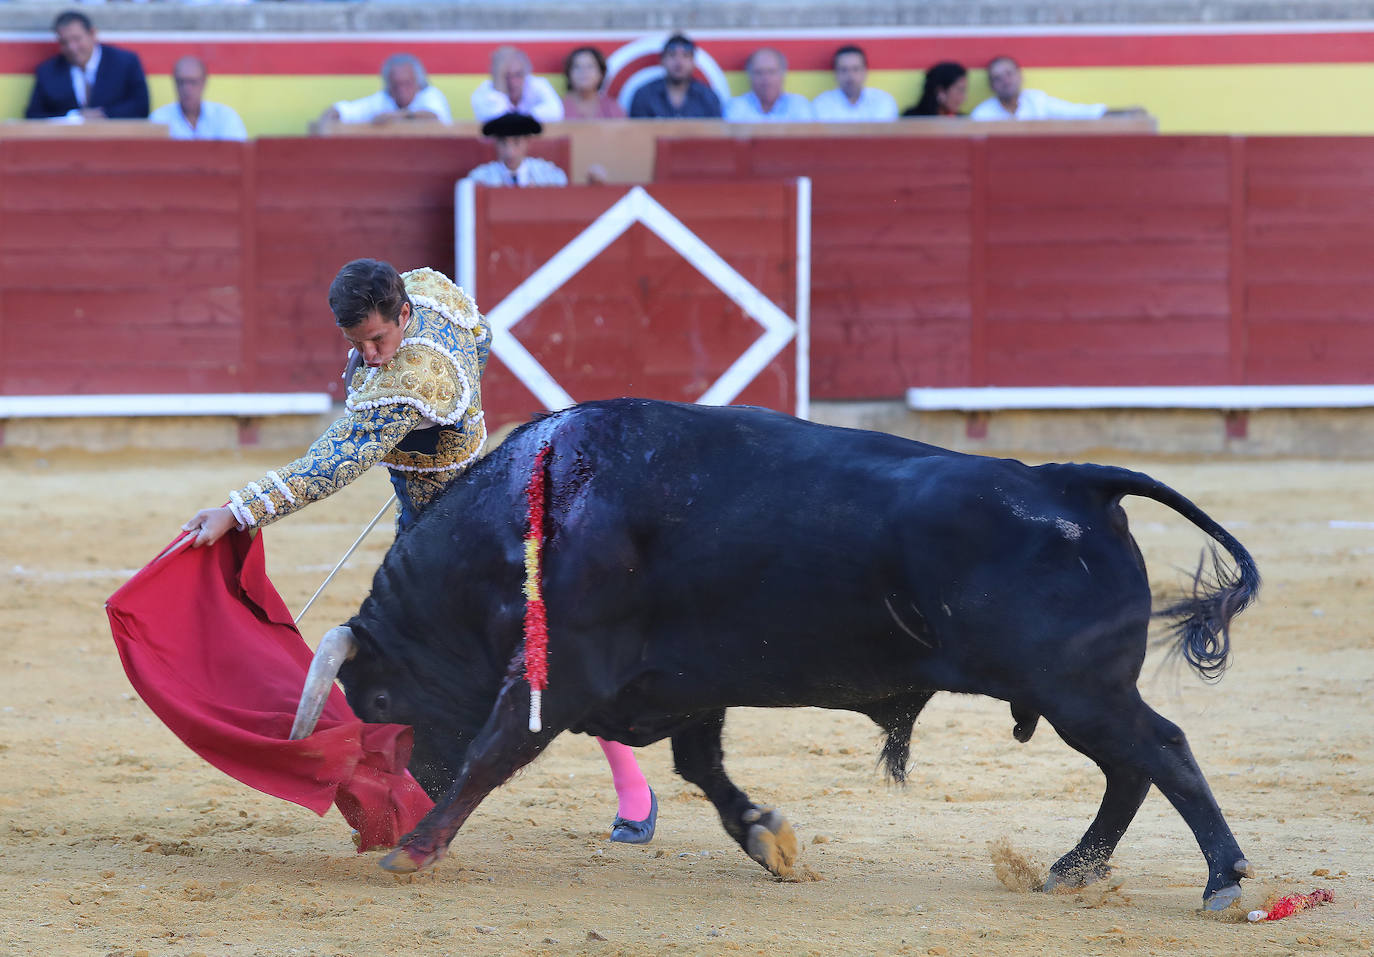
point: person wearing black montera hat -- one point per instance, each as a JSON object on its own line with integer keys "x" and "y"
{"x": 513, "y": 166}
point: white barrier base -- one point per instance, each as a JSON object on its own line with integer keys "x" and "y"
{"x": 1223, "y": 397}
{"x": 240, "y": 404}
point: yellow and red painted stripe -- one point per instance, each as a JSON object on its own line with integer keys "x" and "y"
{"x": 1253, "y": 78}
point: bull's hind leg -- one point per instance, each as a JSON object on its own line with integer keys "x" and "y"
{"x": 763, "y": 833}
{"x": 1135, "y": 746}
{"x": 1127, "y": 787}
{"x": 503, "y": 746}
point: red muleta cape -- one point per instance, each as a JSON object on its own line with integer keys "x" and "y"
{"x": 208, "y": 643}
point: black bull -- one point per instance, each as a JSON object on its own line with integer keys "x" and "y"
{"x": 698, "y": 559}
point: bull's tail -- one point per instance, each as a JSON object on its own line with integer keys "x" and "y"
{"x": 1201, "y": 620}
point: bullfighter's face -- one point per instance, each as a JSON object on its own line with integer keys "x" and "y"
{"x": 377, "y": 338}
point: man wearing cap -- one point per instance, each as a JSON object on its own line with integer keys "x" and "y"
{"x": 513, "y": 165}
{"x": 676, "y": 95}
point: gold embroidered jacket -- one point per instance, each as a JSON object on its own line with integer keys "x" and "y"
{"x": 433, "y": 382}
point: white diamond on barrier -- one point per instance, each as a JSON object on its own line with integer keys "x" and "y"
{"x": 637, "y": 206}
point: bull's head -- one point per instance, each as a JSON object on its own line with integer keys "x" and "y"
{"x": 381, "y": 690}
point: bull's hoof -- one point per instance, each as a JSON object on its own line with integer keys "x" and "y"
{"x": 771, "y": 841}
{"x": 1218, "y": 895}
{"x": 1222, "y": 898}
{"x": 1072, "y": 878}
{"x": 405, "y": 861}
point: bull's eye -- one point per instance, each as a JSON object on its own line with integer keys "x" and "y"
{"x": 380, "y": 703}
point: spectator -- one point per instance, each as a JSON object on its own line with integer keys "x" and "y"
{"x": 584, "y": 71}
{"x": 944, "y": 92}
{"x": 851, "y": 99}
{"x": 405, "y": 96}
{"x": 88, "y": 80}
{"x": 513, "y": 165}
{"x": 512, "y": 89}
{"x": 194, "y": 118}
{"x": 676, "y": 95}
{"x": 1011, "y": 102}
{"x": 766, "y": 101}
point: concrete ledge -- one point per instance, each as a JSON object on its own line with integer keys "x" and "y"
{"x": 1222, "y": 397}
{"x": 239, "y": 404}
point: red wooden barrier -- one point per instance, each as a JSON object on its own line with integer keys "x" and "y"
{"x": 142, "y": 266}
{"x": 640, "y": 317}
{"x": 121, "y": 267}
{"x": 1076, "y": 261}
{"x": 171, "y": 267}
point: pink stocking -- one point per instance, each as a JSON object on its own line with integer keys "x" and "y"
{"x": 631, "y": 789}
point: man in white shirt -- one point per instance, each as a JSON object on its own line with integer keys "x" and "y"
{"x": 1011, "y": 102}
{"x": 513, "y": 165}
{"x": 406, "y": 96}
{"x": 191, "y": 117}
{"x": 766, "y": 101}
{"x": 512, "y": 89}
{"x": 851, "y": 100}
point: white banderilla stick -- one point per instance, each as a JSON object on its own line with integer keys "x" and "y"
{"x": 351, "y": 549}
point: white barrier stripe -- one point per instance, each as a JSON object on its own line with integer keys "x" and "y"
{"x": 227, "y": 403}
{"x": 803, "y": 304}
{"x": 1226, "y": 397}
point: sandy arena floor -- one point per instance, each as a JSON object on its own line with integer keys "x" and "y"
{"x": 117, "y": 840}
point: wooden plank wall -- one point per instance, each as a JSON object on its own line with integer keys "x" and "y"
{"x": 133, "y": 266}
{"x": 121, "y": 267}
{"x": 1076, "y": 261}
{"x": 638, "y": 319}
{"x": 890, "y": 247}
{"x": 1307, "y": 247}
{"x": 142, "y": 266}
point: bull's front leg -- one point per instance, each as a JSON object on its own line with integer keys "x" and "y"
{"x": 503, "y": 746}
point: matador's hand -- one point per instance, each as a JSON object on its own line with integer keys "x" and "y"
{"x": 211, "y": 523}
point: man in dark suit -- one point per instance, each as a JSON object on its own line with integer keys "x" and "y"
{"x": 88, "y": 79}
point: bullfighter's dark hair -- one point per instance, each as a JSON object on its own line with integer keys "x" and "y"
{"x": 363, "y": 287}
{"x": 939, "y": 78}
{"x": 597, "y": 55}
{"x": 72, "y": 16}
{"x": 848, "y": 48}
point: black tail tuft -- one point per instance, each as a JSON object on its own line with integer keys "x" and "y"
{"x": 1201, "y": 621}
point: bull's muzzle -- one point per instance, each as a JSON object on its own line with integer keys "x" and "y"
{"x": 336, "y": 647}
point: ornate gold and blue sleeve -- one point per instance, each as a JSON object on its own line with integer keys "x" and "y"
{"x": 352, "y": 445}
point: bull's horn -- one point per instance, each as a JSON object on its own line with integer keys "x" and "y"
{"x": 336, "y": 647}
